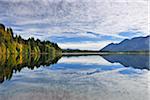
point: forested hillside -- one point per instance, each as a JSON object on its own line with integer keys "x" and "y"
{"x": 10, "y": 44}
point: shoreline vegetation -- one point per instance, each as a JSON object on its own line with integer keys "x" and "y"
{"x": 16, "y": 45}
{"x": 17, "y": 53}
{"x": 103, "y": 53}
{"x": 76, "y": 52}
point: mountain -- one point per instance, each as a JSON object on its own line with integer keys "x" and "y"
{"x": 134, "y": 44}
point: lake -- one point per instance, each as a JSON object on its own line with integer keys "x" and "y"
{"x": 90, "y": 77}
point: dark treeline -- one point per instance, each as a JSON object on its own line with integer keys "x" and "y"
{"x": 10, "y": 44}
{"x": 78, "y": 51}
{"x": 15, "y": 63}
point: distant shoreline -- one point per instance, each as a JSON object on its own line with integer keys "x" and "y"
{"x": 102, "y": 53}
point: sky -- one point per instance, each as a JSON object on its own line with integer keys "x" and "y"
{"x": 77, "y": 24}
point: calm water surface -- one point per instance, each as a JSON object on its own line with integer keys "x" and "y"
{"x": 111, "y": 77}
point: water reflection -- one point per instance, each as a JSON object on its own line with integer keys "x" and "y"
{"x": 135, "y": 61}
{"x": 72, "y": 78}
{"x": 14, "y": 63}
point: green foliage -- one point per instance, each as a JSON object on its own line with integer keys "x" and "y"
{"x": 16, "y": 45}
{"x": 16, "y": 53}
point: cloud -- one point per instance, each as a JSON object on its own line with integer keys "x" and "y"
{"x": 72, "y": 37}
{"x": 100, "y": 17}
{"x": 57, "y": 18}
{"x": 86, "y": 45}
{"x": 86, "y": 60}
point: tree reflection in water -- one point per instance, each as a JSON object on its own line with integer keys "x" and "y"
{"x": 10, "y": 64}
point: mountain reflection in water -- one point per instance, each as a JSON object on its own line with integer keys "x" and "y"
{"x": 14, "y": 63}
{"x": 91, "y": 77}
{"x": 136, "y": 61}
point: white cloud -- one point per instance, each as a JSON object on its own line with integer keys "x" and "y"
{"x": 107, "y": 17}
{"x": 86, "y": 60}
{"x": 86, "y": 45}
{"x": 104, "y": 17}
